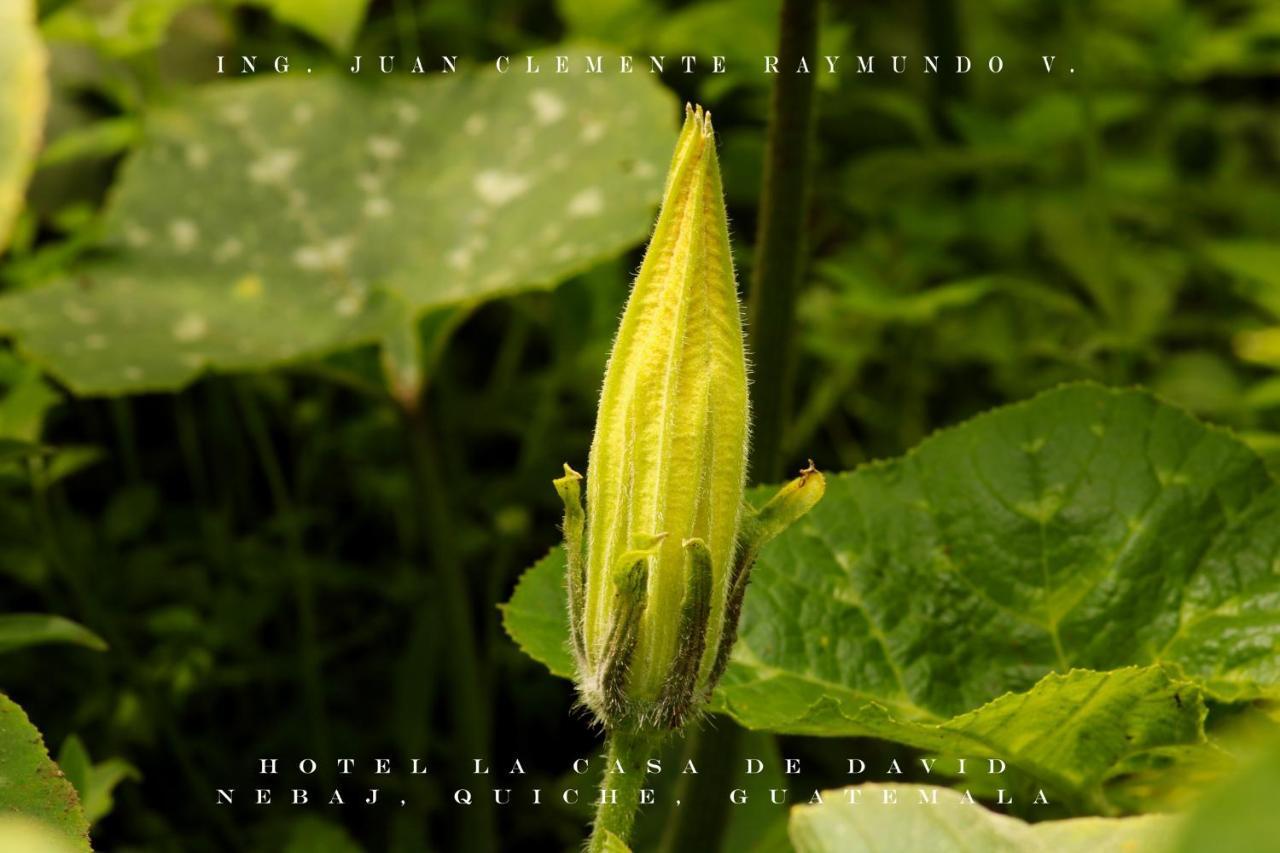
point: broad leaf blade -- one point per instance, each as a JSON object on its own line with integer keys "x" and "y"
{"x": 31, "y": 784}
{"x": 24, "y": 95}
{"x": 1097, "y": 720}
{"x": 1085, "y": 528}
{"x": 292, "y": 236}
{"x": 911, "y": 822}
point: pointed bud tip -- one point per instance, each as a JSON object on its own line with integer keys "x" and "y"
{"x": 700, "y": 118}
{"x": 571, "y": 474}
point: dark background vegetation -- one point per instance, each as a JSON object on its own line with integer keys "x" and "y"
{"x": 974, "y": 239}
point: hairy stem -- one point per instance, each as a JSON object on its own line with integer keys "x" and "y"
{"x": 780, "y": 237}
{"x": 619, "y": 798}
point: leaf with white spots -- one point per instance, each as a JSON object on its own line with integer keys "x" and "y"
{"x": 273, "y": 220}
{"x": 24, "y": 94}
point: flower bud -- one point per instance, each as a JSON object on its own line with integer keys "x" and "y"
{"x": 655, "y": 586}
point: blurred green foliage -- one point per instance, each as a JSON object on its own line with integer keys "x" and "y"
{"x": 975, "y": 239}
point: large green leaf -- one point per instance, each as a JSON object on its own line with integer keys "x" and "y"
{"x": 24, "y": 94}
{"x": 905, "y": 819}
{"x": 278, "y": 219}
{"x": 1093, "y": 533}
{"x": 1088, "y": 528}
{"x": 31, "y": 784}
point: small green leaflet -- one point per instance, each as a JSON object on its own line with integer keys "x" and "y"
{"x": 19, "y": 630}
{"x": 898, "y": 818}
{"x": 1093, "y": 533}
{"x": 334, "y": 22}
{"x": 273, "y": 220}
{"x": 31, "y": 784}
{"x": 94, "y": 782}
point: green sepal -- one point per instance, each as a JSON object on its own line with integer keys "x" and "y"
{"x": 631, "y": 584}
{"x": 758, "y": 529}
{"x": 569, "y": 487}
{"x": 783, "y": 510}
{"x": 695, "y": 612}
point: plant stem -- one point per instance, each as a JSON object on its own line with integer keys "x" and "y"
{"x": 122, "y": 416}
{"x": 780, "y": 236}
{"x": 616, "y": 813}
{"x": 303, "y": 582}
{"x": 470, "y": 713}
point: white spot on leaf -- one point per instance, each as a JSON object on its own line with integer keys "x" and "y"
{"x": 190, "y": 327}
{"x": 227, "y": 250}
{"x": 459, "y": 259}
{"x": 197, "y": 156}
{"x": 406, "y": 112}
{"x": 184, "y": 233}
{"x": 592, "y": 131}
{"x": 136, "y": 236}
{"x": 328, "y": 255}
{"x": 589, "y": 202}
{"x": 547, "y": 106}
{"x": 384, "y": 147}
{"x": 349, "y": 305}
{"x": 377, "y": 207}
{"x": 498, "y": 188}
{"x": 77, "y": 313}
{"x": 274, "y": 167}
{"x": 235, "y": 114}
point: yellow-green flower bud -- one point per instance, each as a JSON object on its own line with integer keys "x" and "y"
{"x": 656, "y": 587}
